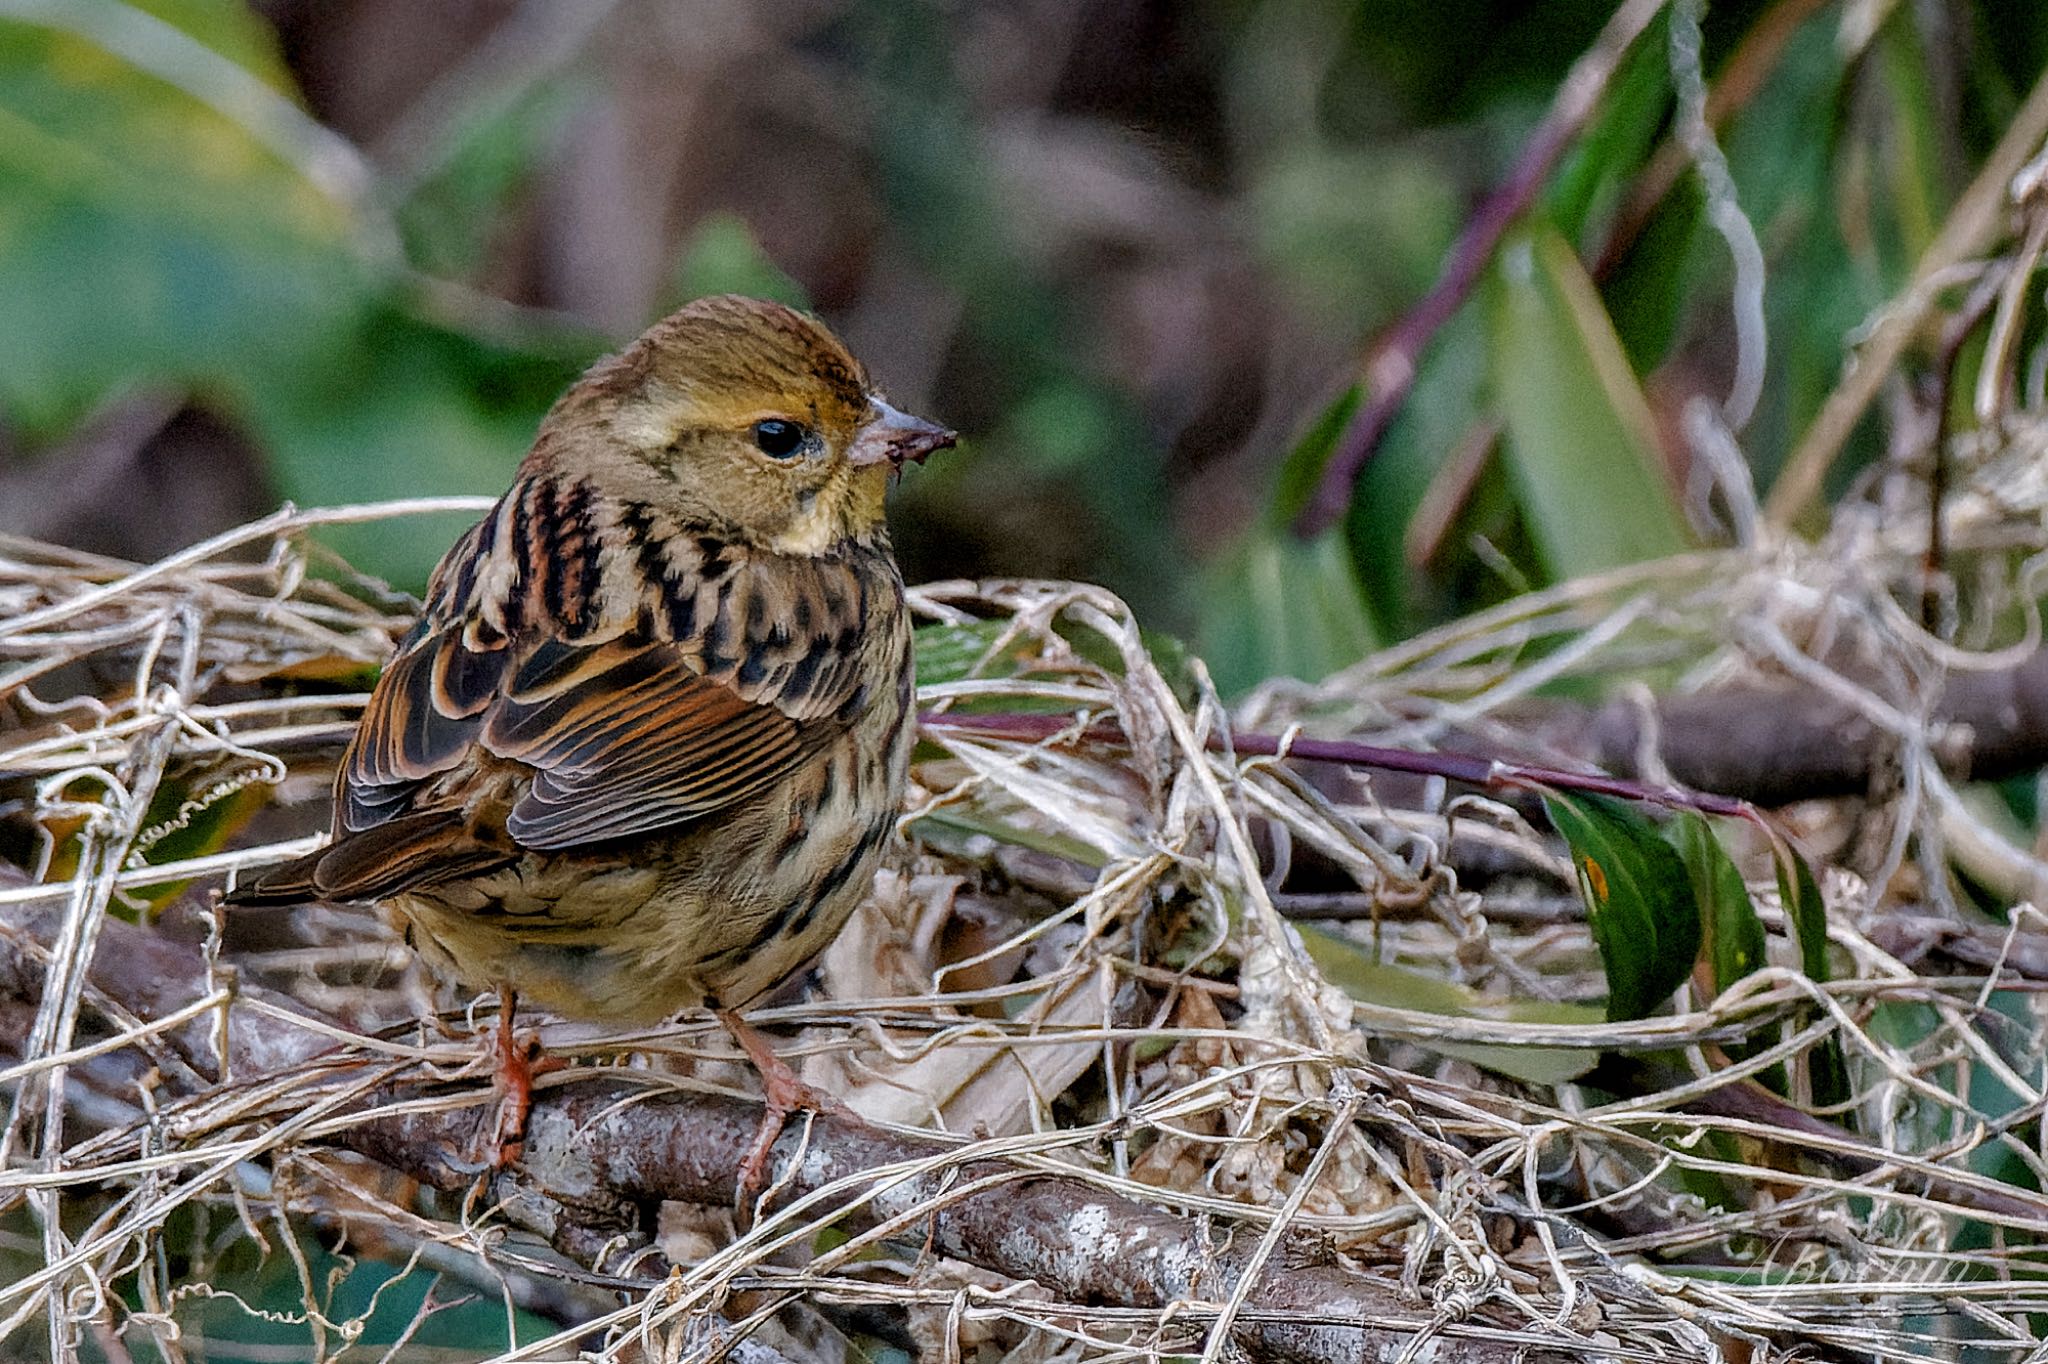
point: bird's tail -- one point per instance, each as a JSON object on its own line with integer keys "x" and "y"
{"x": 375, "y": 864}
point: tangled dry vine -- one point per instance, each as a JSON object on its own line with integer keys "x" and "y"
{"x": 1115, "y": 1103}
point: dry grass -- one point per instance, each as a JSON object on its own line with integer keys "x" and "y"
{"x": 1074, "y": 960}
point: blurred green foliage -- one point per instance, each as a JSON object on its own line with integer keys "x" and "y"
{"x": 172, "y": 217}
{"x": 1588, "y": 474}
{"x": 172, "y": 220}
{"x": 1846, "y": 157}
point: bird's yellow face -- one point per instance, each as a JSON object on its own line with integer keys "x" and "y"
{"x": 746, "y": 415}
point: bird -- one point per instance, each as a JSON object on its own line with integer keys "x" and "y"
{"x": 646, "y": 741}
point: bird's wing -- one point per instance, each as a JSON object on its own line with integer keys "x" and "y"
{"x": 627, "y": 732}
{"x": 618, "y": 737}
{"x": 622, "y": 736}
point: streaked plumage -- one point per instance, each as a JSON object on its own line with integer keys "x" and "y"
{"x": 648, "y": 738}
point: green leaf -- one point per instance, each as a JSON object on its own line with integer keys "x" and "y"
{"x": 1735, "y": 937}
{"x": 1603, "y": 161}
{"x": 1583, "y": 444}
{"x": 947, "y": 653}
{"x": 1807, "y": 913}
{"x": 1914, "y": 163}
{"x": 1650, "y": 291}
{"x": 1734, "y": 934}
{"x": 953, "y": 827}
{"x": 1302, "y": 470}
{"x": 229, "y": 28}
{"x": 1175, "y": 660}
{"x": 1352, "y": 969}
{"x": 1639, "y": 896}
{"x": 1804, "y": 910}
{"x": 149, "y": 238}
{"x": 1281, "y": 606}
{"x": 1926, "y": 1125}
{"x": 145, "y": 236}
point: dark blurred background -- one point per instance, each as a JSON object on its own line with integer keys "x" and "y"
{"x": 335, "y": 250}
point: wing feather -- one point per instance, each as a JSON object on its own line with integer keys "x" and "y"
{"x": 668, "y": 746}
{"x": 622, "y": 732}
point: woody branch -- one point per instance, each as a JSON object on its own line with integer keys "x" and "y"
{"x": 602, "y": 1153}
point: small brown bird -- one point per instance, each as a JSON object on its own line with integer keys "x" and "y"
{"x": 646, "y": 742}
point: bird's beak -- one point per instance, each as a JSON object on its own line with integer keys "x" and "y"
{"x": 895, "y": 438}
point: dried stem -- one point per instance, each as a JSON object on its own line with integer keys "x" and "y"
{"x": 598, "y": 1149}
{"x": 1975, "y": 222}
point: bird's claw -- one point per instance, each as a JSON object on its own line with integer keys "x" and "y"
{"x": 518, "y": 1061}
{"x": 783, "y": 1092}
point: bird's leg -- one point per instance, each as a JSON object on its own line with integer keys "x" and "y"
{"x": 783, "y": 1092}
{"x": 517, "y": 1062}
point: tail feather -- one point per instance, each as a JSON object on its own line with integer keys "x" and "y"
{"x": 399, "y": 855}
{"x": 287, "y": 883}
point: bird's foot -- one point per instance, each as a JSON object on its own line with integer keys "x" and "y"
{"x": 517, "y": 1062}
{"x": 783, "y": 1092}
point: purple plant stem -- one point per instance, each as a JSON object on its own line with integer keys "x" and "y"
{"x": 1487, "y": 773}
{"x": 1395, "y": 357}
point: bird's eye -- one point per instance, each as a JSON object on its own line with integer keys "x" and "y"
{"x": 778, "y": 438}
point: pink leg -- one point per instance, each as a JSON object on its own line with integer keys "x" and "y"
{"x": 782, "y": 1092}
{"x": 518, "y": 1062}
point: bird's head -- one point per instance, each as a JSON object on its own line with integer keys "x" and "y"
{"x": 742, "y": 413}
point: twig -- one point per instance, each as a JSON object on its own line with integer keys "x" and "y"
{"x": 598, "y": 1149}
{"x": 1490, "y": 774}
{"x": 1955, "y": 336}
{"x": 1973, "y": 224}
{"x": 1748, "y": 745}
{"x": 1215, "y": 1093}
{"x": 1395, "y": 358}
